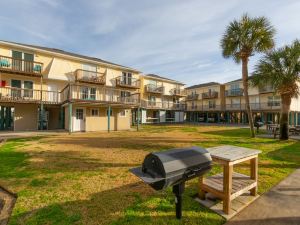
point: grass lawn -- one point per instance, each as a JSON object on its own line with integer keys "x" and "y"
{"x": 84, "y": 179}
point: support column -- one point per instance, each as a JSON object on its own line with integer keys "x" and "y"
{"x": 218, "y": 117}
{"x": 207, "y": 117}
{"x": 262, "y": 117}
{"x": 138, "y": 120}
{"x": 108, "y": 118}
{"x": 295, "y": 119}
{"x": 70, "y": 118}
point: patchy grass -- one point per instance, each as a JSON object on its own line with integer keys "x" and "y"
{"x": 84, "y": 178}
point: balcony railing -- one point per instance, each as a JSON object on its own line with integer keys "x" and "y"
{"x": 163, "y": 105}
{"x": 211, "y": 107}
{"x": 91, "y": 77}
{"x": 128, "y": 82}
{"x": 272, "y": 105}
{"x": 192, "y": 97}
{"x": 23, "y": 95}
{"x": 97, "y": 94}
{"x": 234, "y": 92}
{"x": 208, "y": 95}
{"x": 266, "y": 89}
{"x": 151, "y": 88}
{"x": 178, "y": 92}
{"x": 20, "y": 66}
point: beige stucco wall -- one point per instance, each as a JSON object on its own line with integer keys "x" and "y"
{"x": 26, "y": 116}
{"x": 100, "y": 123}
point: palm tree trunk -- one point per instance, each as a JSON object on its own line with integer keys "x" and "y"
{"x": 245, "y": 84}
{"x": 284, "y": 118}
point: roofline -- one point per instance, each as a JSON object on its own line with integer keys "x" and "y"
{"x": 69, "y": 56}
{"x": 191, "y": 87}
{"x": 162, "y": 79}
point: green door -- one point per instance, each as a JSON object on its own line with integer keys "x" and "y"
{"x": 6, "y": 118}
{"x": 28, "y": 62}
{"x": 17, "y": 60}
{"x": 16, "y": 88}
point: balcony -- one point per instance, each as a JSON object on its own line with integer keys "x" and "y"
{"x": 178, "y": 92}
{"x": 151, "y": 104}
{"x": 209, "y": 95}
{"x": 192, "y": 97}
{"x": 235, "y": 107}
{"x": 91, "y": 77}
{"x": 127, "y": 82}
{"x": 212, "y": 107}
{"x": 151, "y": 88}
{"x": 234, "y": 92}
{"x": 22, "y": 95}
{"x": 105, "y": 95}
{"x": 21, "y": 67}
{"x": 163, "y": 105}
{"x": 266, "y": 89}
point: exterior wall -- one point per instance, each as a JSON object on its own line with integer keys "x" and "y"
{"x": 26, "y": 117}
{"x": 53, "y": 122}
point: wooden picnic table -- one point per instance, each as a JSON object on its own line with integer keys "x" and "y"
{"x": 229, "y": 185}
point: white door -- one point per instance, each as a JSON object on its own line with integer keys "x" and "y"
{"x": 162, "y": 115}
{"x": 177, "y": 117}
{"x": 52, "y": 95}
{"x": 79, "y": 120}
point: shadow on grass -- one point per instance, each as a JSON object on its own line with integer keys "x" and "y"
{"x": 290, "y": 153}
{"x": 129, "y": 204}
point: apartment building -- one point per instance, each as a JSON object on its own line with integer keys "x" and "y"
{"x": 205, "y": 102}
{"x": 162, "y": 99}
{"x": 45, "y": 88}
{"x": 226, "y": 103}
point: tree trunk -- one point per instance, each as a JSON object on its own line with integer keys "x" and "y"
{"x": 284, "y": 117}
{"x": 245, "y": 84}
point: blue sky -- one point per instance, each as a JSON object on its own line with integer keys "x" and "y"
{"x": 178, "y": 39}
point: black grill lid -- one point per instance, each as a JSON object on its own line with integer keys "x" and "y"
{"x": 169, "y": 162}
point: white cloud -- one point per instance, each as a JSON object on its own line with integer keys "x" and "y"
{"x": 179, "y": 39}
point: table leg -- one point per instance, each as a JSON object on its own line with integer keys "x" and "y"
{"x": 254, "y": 174}
{"x": 227, "y": 187}
{"x": 201, "y": 193}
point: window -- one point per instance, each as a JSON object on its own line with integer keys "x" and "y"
{"x": 89, "y": 70}
{"x": 88, "y": 93}
{"x": 84, "y": 92}
{"x": 95, "y": 112}
{"x": 16, "y": 88}
{"x": 123, "y": 113}
{"x": 93, "y": 93}
{"x": 274, "y": 101}
{"x": 235, "y": 86}
{"x": 19, "y": 65}
{"x": 28, "y": 86}
{"x": 126, "y": 78}
{"x": 212, "y": 104}
{"x": 79, "y": 114}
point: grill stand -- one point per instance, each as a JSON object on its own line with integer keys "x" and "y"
{"x": 178, "y": 190}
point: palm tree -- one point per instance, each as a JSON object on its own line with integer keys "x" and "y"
{"x": 241, "y": 40}
{"x": 281, "y": 69}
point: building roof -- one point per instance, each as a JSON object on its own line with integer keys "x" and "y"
{"x": 59, "y": 51}
{"x": 203, "y": 85}
{"x": 237, "y": 80}
{"x": 162, "y": 78}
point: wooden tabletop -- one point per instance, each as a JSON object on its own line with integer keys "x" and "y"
{"x": 231, "y": 153}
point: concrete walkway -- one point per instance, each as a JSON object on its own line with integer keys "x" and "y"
{"x": 279, "y": 206}
{"x": 24, "y": 134}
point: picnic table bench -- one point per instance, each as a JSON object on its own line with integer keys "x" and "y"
{"x": 229, "y": 185}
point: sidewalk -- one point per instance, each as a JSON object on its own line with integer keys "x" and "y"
{"x": 25, "y": 134}
{"x": 279, "y": 206}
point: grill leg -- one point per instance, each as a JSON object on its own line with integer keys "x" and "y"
{"x": 178, "y": 190}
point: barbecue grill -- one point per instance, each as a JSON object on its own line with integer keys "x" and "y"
{"x": 172, "y": 168}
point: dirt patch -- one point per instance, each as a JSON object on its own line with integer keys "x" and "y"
{"x": 7, "y": 202}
